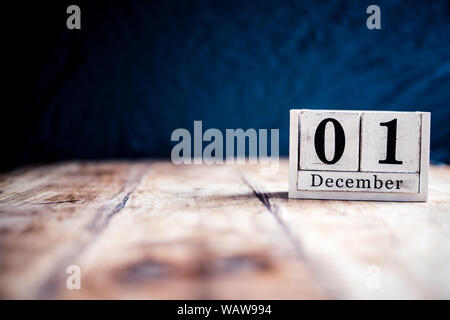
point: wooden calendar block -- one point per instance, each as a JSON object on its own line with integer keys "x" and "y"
{"x": 328, "y": 142}
{"x": 358, "y": 181}
{"x": 390, "y": 141}
{"x": 359, "y": 155}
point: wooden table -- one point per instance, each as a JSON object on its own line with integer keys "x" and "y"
{"x": 154, "y": 230}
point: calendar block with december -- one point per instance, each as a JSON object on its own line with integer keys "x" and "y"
{"x": 359, "y": 155}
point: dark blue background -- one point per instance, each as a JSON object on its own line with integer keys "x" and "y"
{"x": 140, "y": 69}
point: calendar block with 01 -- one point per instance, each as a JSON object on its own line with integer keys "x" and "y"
{"x": 359, "y": 155}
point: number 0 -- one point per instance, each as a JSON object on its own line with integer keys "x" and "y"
{"x": 339, "y": 141}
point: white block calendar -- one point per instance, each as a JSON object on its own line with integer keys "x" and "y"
{"x": 359, "y": 155}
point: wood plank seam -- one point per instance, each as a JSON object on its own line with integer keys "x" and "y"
{"x": 317, "y": 270}
{"x": 95, "y": 227}
{"x": 274, "y": 210}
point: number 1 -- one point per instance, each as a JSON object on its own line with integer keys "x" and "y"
{"x": 391, "y": 142}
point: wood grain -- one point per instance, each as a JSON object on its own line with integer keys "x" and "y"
{"x": 153, "y": 230}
